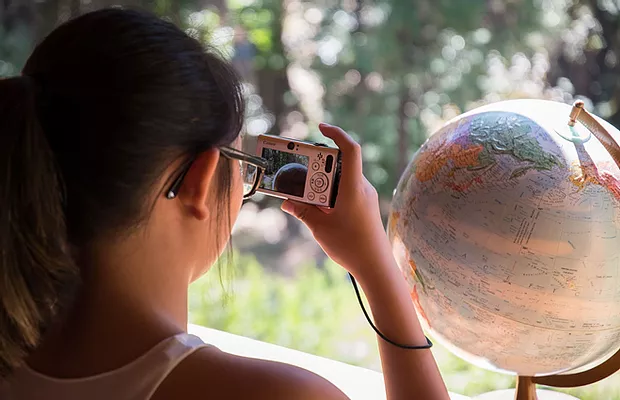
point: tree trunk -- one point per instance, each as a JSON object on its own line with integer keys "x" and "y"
{"x": 272, "y": 87}
{"x": 359, "y": 95}
{"x": 595, "y": 78}
{"x": 273, "y": 83}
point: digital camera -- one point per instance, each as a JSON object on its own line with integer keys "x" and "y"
{"x": 301, "y": 171}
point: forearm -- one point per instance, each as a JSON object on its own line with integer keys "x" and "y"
{"x": 408, "y": 374}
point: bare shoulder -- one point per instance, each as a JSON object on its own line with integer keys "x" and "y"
{"x": 212, "y": 374}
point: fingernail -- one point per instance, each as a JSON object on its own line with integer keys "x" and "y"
{"x": 325, "y": 124}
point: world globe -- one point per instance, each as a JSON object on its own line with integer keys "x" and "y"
{"x": 506, "y": 225}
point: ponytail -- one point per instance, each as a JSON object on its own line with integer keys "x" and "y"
{"x": 37, "y": 273}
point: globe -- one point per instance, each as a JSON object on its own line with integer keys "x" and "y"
{"x": 506, "y": 225}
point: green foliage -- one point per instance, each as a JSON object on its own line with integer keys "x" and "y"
{"x": 464, "y": 378}
{"x": 396, "y": 65}
{"x": 262, "y": 19}
{"x": 316, "y": 313}
{"x": 16, "y": 43}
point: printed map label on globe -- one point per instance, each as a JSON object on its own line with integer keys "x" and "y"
{"x": 508, "y": 235}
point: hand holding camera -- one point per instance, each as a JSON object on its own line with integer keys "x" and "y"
{"x": 351, "y": 233}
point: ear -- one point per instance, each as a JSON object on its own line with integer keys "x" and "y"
{"x": 199, "y": 182}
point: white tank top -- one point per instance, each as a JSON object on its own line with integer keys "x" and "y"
{"x": 137, "y": 380}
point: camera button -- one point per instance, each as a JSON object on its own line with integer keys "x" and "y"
{"x": 316, "y": 166}
{"x": 318, "y": 182}
{"x": 323, "y": 198}
{"x": 311, "y": 196}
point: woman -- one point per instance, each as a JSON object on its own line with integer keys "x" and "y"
{"x": 118, "y": 165}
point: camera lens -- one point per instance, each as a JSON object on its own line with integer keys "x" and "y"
{"x": 290, "y": 145}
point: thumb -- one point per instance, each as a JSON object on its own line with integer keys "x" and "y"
{"x": 306, "y": 213}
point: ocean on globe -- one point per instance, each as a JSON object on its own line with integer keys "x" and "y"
{"x": 506, "y": 225}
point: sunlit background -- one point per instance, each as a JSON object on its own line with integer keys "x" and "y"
{"x": 388, "y": 71}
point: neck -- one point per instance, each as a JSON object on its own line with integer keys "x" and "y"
{"x": 137, "y": 296}
{"x": 134, "y": 299}
{"x": 135, "y": 292}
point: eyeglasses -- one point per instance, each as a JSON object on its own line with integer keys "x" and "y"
{"x": 252, "y": 169}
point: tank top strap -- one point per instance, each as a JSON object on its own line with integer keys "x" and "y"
{"x": 138, "y": 380}
{"x": 182, "y": 346}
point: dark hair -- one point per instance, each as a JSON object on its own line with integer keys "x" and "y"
{"x": 107, "y": 102}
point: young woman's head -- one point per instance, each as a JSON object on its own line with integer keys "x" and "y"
{"x": 110, "y": 110}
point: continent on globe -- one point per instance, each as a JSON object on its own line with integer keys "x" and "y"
{"x": 508, "y": 235}
{"x": 476, "y": 143}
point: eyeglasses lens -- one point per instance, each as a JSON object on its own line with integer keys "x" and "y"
{"x": 249, "y": 174}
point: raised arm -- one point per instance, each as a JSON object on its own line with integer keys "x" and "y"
{"x": 352, "y": 234}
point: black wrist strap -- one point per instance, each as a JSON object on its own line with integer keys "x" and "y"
{"x": 428, "y": 344}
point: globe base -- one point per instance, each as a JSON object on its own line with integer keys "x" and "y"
{"x": 509, "y": 394}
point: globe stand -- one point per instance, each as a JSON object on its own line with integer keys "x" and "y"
{"x": 526, "y": 385}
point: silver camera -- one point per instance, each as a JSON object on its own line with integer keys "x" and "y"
{"x": 301, "y": 171}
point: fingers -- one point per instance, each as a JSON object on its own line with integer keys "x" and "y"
{"x": 339, "y": 136}
{"x": 308, "y": 214}
{"x": 351, "y": 150}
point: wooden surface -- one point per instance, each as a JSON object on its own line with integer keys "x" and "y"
{"x": 357, "y": 383}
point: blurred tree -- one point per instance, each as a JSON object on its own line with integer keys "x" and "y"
{"x": 245, "y": 53}
{"x": 261, "y": 21}
{"x": 587, "y": 57}
{"x": 47, "y": 17}
{"x": 392, "y": 68}
{"x": 17, "y": 31}
{"x": 24, "y": 23}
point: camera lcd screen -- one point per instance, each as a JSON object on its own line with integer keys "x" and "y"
{"x": 286, "y": 172}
